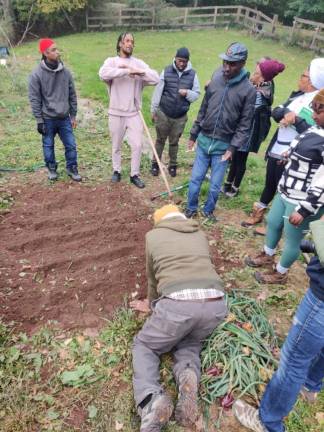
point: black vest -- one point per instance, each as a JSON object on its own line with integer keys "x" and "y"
{"x": 172, "y": 103}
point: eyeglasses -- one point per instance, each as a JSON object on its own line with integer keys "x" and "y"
{"x": 304, "y": 76}
{"x": 317, "y": 108}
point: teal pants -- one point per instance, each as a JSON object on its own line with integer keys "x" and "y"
{"x": 277, "y": 224}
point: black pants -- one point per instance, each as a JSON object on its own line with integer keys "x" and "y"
{"x": 273, "y": 174}
{"x": 237, "y": 168}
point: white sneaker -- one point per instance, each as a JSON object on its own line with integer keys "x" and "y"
{"x": 248, "y": 416}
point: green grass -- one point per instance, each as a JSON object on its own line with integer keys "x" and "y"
{"x": 31, "y": 368}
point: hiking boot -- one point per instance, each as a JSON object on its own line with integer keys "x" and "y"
{"x": 248, "y": 416}
{"x": 155, "y": 170}
{"x": 308, "y": 395}
{"x": 73, "y": 173}
{"x": 260, "y": 231}
{"x": 210, "y": 216}
{"x": 260, "y": 260}
{"x": 232, "y": 193}
{"x": 186, "y": 412}
{"x": 271, "y": 277}
{"x": 116, "y": 177}
{"x": 227, "y": 187}
{"x": 172, "y": 171}
{"x": 256, "y": 216}
{"x": 135, "y": 179}
{"x": 190, "y": 213}
{"x": 156, "y": 413}
{"x": 52, "y": 173}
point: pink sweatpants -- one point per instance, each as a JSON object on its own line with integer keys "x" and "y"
{"x": 118, "y": 126}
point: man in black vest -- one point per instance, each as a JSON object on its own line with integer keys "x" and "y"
{"x": 177, "y": 89}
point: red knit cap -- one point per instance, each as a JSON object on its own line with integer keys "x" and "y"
{"x": 44, "y": 44}
{"x": 270, "y": 69}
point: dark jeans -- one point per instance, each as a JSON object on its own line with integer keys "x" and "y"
{"x": 273, "y": 175}
{"x": 237, "y": 168}
{"x": 63, "y": 128}
{"x": 167, "y": 127}
{"x": 301, "y": 363}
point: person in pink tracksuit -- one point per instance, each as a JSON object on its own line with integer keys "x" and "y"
{"x": 126, "y": 77}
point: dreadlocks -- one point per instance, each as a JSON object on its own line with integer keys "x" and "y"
{"x": 121, "y": 37}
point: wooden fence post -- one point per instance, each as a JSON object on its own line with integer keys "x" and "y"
{"x": 120, "y": 16}
{"x": 313, "y": 43}
{"x": 153, "y": 17}
{"x": 87, "y": 19}
{"x": 185, "y": 16}
{"x": 274, "y": 23}
{"x": 238, "y": 14}
{"x": 215, "y": 15}
{"x": 293, "y": 30}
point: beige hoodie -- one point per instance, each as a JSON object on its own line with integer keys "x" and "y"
{"x": 177, "y": 258}
{"x": 124, "y": 91}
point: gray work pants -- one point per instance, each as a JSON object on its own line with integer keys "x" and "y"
{"x": 175, "y": 326}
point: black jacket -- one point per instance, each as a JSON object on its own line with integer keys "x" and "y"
{"x": 227, "y": 110}
{"x": 316, "y": 277}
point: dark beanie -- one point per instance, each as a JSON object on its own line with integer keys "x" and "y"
{"x": 270, "y": 69}
{"x": 183, "y": 53}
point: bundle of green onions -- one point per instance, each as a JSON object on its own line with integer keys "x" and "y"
{"x": 238, "y": 358}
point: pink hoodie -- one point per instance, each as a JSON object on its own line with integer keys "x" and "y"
{"x": 124, "y": 91}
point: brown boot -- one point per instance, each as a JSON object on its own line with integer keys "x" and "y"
{"x": 256, "y": 216}
{"x": 260, "y": 231}
{"x": 186, "y": 412}
{"x": 260, "y": 260}
{"x": 271, "y": 277}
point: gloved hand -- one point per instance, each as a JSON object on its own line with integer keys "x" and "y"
{"x": 41, "y": 128}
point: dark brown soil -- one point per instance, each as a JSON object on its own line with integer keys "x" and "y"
{"x": 71, "y": 253}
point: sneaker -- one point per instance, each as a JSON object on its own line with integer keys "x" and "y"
{"x": 232, "y": 193}
{"x": 73, "y": 173}
{"x": 248, "y": 416}
{"x": 260, "y": 260}
{"x": 116, "y": 177}
{"x": 210, "y": 216}
{"x": 190, "y": 213}
{"x": 156, "y": 413}
{"x": 271, "y": 277}
{"x": 155, "y": 170}
{"x": 186, "y": 412}
{"x": 308, "y": 395}
{"x": 137, "y": 181}
{"x": 52, "y": 173}
{"x": 172, "y": 171}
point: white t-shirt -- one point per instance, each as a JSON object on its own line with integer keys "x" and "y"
{"x": 288, "y": 133}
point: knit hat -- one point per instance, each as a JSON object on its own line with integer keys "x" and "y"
{"x": 167, "y": 210}
{"x": 319, "y": 98}
{"x": 44, "y": 44}
{"x": 183, "y": 53}
{"x": 270, "y": 69}
{"x": 316, "y": 73}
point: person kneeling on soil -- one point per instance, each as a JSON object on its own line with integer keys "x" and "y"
{"x": 301, "y": 368}
{"x": 299, "y": 201}
{"x": 54, "y": 104}
{"x": 187, "y": 301}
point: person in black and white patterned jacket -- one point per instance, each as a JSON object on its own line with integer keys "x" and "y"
{"x": 299, "y": 201}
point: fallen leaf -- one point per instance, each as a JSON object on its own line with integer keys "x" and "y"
{"x": 118, "y": 426}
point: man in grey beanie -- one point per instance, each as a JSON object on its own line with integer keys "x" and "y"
{"x": 177, "y": 89}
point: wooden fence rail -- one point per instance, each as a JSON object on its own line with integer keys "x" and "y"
{"x": 303, "y": 32}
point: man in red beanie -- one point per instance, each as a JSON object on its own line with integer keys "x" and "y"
{"x": 54, "y": 104}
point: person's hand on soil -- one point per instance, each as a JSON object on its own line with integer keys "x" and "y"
{"x": 227, "y": 156}
{"x": 140, "y": 305}
{"x": 73, "y": 122}
{"x": 183, "y": 92}
{"x": 296, "y": 218}
{"x": 41, "y": 128}
{"x": 190, "y": 145}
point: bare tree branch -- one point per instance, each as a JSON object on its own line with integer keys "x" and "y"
{"x": 28, "y": 26}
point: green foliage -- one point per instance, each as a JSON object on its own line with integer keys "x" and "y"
{"x": 50, "y": 6}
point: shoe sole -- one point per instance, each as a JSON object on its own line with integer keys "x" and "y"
{"x": 186, "y": 411}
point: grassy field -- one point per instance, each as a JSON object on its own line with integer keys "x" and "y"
{"x": 35, "y": 394}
